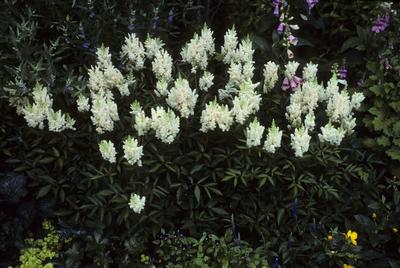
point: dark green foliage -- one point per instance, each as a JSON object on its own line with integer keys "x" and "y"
{"x": 383, "y": 82}
{"x": 176, "y": 250}
{"x": 284, "y": 207}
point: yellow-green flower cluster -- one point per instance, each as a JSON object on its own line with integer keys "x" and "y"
{"x": 40, "y": 252}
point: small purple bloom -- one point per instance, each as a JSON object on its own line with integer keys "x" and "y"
{"x": 294, "y": 208}
{"x": 81, "y": 34}
{"x": 342, "y": 72}
{"x": 293, "y": 40}
{"x": 131, "y": 27}
{"x": 86, "y": 45}
{"x": 281, "y": 28}
{"x": 276, "y": 262}
{"x": 276, "y": 8}
{"x": 311, "y": 4}
{"x": 154, "y": 23}
{"x": 92, "y": 14}
{"x": 360, "y": 83}
{"x": 380, "y": 24}
{"x": 170, "y": 17}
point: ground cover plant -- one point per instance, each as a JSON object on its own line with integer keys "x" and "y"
{"x": 199, "y": 133}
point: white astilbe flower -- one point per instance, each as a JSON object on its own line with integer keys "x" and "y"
{"x": 294, "y": 109}
{"x": 162, "y": 65}
{"x": 300, "y": 141}
{"x": 165, "y": 124}
{"x": 274, "y": 138}
{"x": 356, "y": 100}
{"x": 238, "y": 75}
{"x": 248, "y": 71}
{"x": 215, "y": 114}
{"x": 132, "y": 151}
{"x": 107, "y": 151}
{"x": 123, "y": 89}
{"x": 142, "y": 122}
{"x": 339, "y": 106}
{"x": 104, "y": 111}
{"x": 136, "y": 203}
{"x": 153, "y": 45}
{"x": 310, "y": 96}
{"x": 309, "y": 121}
{"x": 331, "y": 89}
{"x": 36, "y": 113}
{"x": 349, "y": 124}
{"x": 113, "y": 78}
{"x": 235, "y": 74}
{"x": 245, "y": 51}
{"x": 105, "y": 76}
{"x": 59, "y": 121}
{"x": 161, "y": 88}
{"x": 199, "y": 48}
{"x": 182, "y": 98}
{"x": 254, "y": 133}
{"x": 310, "y": 72}
{"x": 270, "y": 75}
{"x": 228, "y": 50}
{"x": 135, "y": 108}
{"x": 331, "y": 135}
{"x": 97, "y": 81}
{"x": 244, "y": 105}
{"x": 103, "y": 58}
{"x": 83, "y": 103}
{"x": 206, "y": 81}
{"x": 133, "y": 51}
{"x": 290, "y": 69}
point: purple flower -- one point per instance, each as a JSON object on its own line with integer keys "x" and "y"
{"x": 360, "y": 83}
{"x": 131, "y": 27}
{"x": 86, "y": 45}
{"x": 276, "y": 9}
{"x": 342, "y": 72}
{"x": 281, "y": 28}
{"x": 154, "y": 23}
{"x": 293, "y": 210}
{"x": 380, "y": 24}
{"x": 293, "y": 83}
{"x": 293, "y": 40}
{"x": 170, "y": 17}
{"x": 92, "y": 14}
{"x": 276, "y": 262}
{"x": 311, "y": 4}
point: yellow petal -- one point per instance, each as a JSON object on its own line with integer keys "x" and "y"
{"x": 354, "y": 235}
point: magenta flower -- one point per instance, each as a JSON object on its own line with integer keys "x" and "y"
{"x": 281, "y": 28}
{"x": 292, "y": 83}
{"x": 293, "y": 40}
{"x": 380, "y": 24}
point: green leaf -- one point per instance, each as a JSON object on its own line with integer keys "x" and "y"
{"x": 43, "y": 191}
{"x": 197, "y": 193}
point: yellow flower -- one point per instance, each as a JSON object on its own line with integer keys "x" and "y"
{"x": 330, "y": 237}
{"x": 395, "y": 230}
{"x": 352, "y": 236}
{"x": 374, "y": 216}
{"x": 348, "y": 266}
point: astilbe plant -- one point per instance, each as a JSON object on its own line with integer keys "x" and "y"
{"x": 312, "y": 104}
